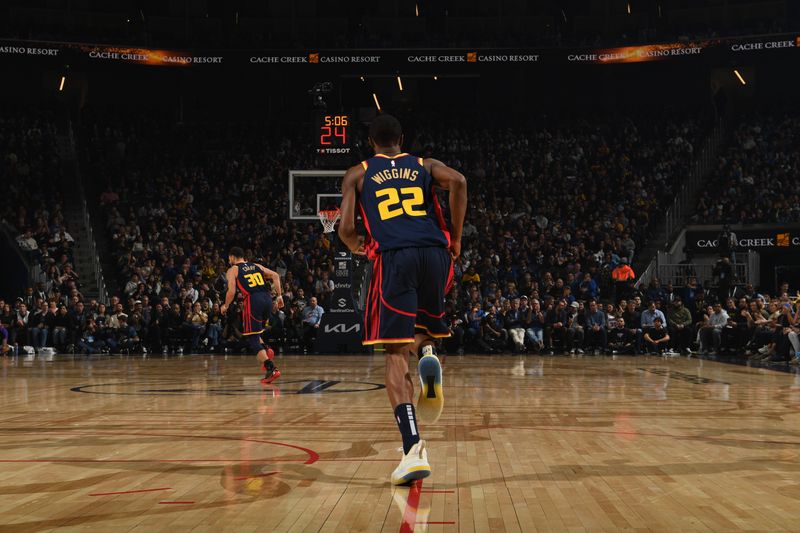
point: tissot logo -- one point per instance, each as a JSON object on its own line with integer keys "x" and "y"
{"x": 342, "y": 328}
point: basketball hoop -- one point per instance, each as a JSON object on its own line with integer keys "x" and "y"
{"x": 329, "y": 218}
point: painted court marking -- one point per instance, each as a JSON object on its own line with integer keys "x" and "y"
{"x": 410, "y": 514}
{"x": 175, "y": 503}
{"x": 129, "y": 492}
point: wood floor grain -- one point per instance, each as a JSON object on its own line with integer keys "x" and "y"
{"x": 197, "y": 443}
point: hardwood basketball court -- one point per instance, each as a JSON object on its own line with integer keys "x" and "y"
{"x": 196, "y": 443}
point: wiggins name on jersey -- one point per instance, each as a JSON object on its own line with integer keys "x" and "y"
{"x": 399, "y": 205}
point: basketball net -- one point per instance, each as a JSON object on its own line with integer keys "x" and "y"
{"x": 329, "y": 218}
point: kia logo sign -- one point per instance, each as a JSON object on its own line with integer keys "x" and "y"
{"x": 342, "y": 328}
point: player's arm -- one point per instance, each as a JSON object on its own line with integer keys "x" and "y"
{"x": 453, "y": 181}
{"x": 347, "y": 224}
{"x": 230, "y": 275}
{"x": 276, "y": 283}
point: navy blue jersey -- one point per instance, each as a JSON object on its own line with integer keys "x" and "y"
{"x": 250, "y": 279}
{"x": 399, "y": 206}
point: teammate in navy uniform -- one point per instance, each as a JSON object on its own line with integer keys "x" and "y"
{"x": 249, "y": 278}
{"x": 412, "y": 252}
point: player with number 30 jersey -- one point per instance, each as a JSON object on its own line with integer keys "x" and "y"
{"x": 251, "y": 280}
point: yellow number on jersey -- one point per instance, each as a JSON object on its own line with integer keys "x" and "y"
{"x": 254, "y": 280}
{"x": 413, "y": 198}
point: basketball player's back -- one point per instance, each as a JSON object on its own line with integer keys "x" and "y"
{"x": 412, "y": 254}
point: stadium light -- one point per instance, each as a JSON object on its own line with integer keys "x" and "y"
{"x": 629, "y": 8}
{"x": 362, "y": 78}
{"x": 416, "y": 9}
{"x": 435, "y": 78}
{"x": 61, "y": 85}
{"x": 399, "y": 83}
{"x": 377, "y": 104}
{"x": 741, "y": 79}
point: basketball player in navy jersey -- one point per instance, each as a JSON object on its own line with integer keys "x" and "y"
{"x": 249, "y": 278}
{"x": 412, "y": 253}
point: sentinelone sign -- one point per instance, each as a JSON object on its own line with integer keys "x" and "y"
{"x": 761, "y": 238}
{"x": 709, "y": 49}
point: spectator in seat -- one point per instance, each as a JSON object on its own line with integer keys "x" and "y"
{"x": 596, "y": 328}
{"x": 312, "y": 318}
{"x": 737, "y": 332}
{"x": 587, "y": 289}
{"x": 323, "y": 288}
{"x": 4, "y": 349}
{"x": 535, "y": 325}
{"x": 649, "y": 316}
{"x": 654, "y": 292}
{"x": 555, "y": 331}
{"x": 576, "y": 327}
{"x": 7, "y": 317}
{"x": 711, "y": 332}
{"x": 126, "y": 337}
{"x": 513, "y": 323}
{"x": 19, "y": 329}
{"x": 197, "y": 325}
{"x": 621, "y": 339}
{"x": 26, "y": 241}
{"x": 214, "y": 329}
{"x": 657, "y": 338}
{"x": 680, "y": 326}
{"x": 39, "y": 326}
{"x": 494, "y": 335}
{"x": 61, "y": 325}
{"x": 89, "y": 341}
{"x": 474, "y": 333}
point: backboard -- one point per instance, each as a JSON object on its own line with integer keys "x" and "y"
{"x": 313, "y": 190}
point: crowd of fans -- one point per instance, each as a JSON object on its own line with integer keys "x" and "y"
{"x": 658, "y": 320}
{"x": 758, "y": 176}
{"x": 31, "y": 213}
{"x": 556, "y": 215}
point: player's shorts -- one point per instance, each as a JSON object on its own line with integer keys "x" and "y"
{"x": 406, "y": 295}
{"x": 255, "y": 311}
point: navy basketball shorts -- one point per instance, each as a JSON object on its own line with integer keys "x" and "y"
{"x": 255, "y": 310}
{"x": 406, "y": 295}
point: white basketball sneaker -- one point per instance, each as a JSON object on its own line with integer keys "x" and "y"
{"x": 414, "y": 465}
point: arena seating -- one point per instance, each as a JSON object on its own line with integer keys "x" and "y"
{"x": 531, "y": 267}
{"x": 758, "y": 175}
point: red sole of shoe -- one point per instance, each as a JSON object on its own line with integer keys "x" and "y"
{"x": 272, "y": 378}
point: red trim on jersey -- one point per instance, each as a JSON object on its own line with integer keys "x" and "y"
{"x": 424, "y": 312}
{"x": 448, "y": 286}
{"x": 398, "y": 311}
{"x": 439, "y": 215}
{"x": 373, "y": 309}
{"x": 371, "y": 245}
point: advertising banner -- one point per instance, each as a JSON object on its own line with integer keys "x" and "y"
{"x": 761, "y": 239}
{"x": 400, "y": 58}
{"x": 340, "y": 328}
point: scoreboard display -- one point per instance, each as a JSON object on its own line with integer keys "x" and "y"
{"x": 333, "y": 134}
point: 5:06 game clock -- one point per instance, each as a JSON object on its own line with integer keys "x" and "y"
{"x": 333, "y": 134}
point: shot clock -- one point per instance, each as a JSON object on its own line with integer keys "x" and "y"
{"x": 333, "y": 134}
